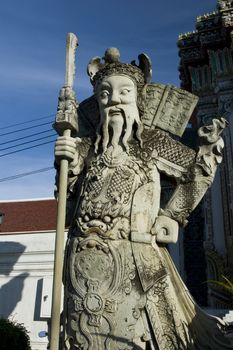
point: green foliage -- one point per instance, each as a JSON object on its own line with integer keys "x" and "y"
{"x": 225, "y": 284}
{"x": 13, "y": 336}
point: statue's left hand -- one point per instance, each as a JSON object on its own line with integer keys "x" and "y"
{"x": 165, "y": 229}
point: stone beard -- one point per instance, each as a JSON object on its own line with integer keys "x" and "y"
{"x": 119, "y": 114}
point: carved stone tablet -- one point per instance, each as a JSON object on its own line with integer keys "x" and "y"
{"x": 168, "y": 108}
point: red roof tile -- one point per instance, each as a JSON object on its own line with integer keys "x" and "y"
{"x": 31, "y": 216}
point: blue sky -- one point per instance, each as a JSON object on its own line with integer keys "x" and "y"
{"x": 32, "y": 63}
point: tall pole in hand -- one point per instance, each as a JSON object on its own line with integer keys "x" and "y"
{"x": 66, "y": 121}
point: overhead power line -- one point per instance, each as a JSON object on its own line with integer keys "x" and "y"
{"x": 27, "y": 136}
{"x": 23, "y": 149}
{"x": 24, "y": 143}
{"x": 13, "y": 177}
{"x": 18, "y": 130}
{"x": 26, "y": 122}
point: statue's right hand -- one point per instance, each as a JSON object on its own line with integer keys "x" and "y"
{"x": 65, "y": 148}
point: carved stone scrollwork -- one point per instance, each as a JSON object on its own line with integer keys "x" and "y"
{"x": 187, "y": 196}
{"x": 102, "y": 275}
{"x": 66, "y": 110}
{"x": 210, "y": 150}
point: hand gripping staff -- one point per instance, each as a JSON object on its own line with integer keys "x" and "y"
{"x": 65, "y": 123}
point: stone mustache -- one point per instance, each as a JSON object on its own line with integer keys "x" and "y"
{"x": 122, "y": 290}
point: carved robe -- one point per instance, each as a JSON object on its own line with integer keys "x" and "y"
{"x": 122, "y": 290}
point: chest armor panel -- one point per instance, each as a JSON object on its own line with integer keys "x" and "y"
{"x": 107, "y": 195}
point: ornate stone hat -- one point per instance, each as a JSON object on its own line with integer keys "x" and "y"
{"x": 111, "y": 65}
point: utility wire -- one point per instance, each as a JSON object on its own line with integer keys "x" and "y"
{"x": 23, "y": 149}
{"x": 24, "y": 143}
{"x": 30, "y": 127}
{"x": 29, "y": 121}
{"x": 25, "y": 137}
{"x": 25, "y": 174}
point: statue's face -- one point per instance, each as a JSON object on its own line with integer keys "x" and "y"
{"x": 116, "y": 90}
{"x": 117, "y": 99}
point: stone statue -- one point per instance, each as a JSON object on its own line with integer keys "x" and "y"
{"x": 122, "y": 290}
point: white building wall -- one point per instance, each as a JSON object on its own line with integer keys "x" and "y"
{"x": 26, "y": 260}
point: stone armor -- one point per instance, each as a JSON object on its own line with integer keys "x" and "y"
{"x": 122, "y": 290}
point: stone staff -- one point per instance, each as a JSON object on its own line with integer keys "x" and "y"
{"x": 65, "y": 123}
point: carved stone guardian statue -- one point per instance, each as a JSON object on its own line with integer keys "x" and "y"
{"x": 122, "y": 290}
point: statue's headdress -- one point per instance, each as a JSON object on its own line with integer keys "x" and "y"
{"x": 161, "y": 106}
{"x": 140, "y": 74}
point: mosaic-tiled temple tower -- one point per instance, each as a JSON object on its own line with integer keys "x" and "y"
{"x": 206, "y": 69}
